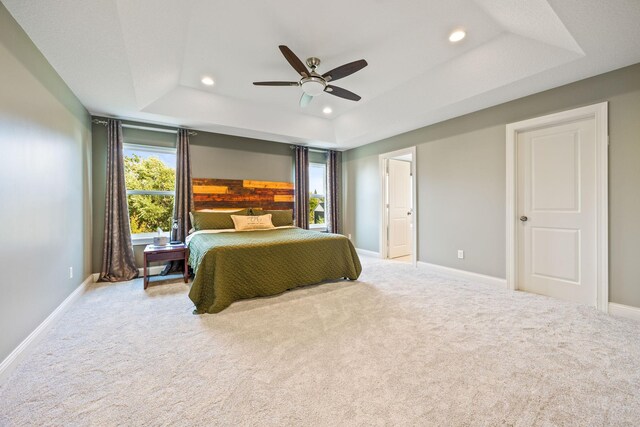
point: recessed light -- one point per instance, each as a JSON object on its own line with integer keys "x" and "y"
{"x": 456, "y": 36}
{"x": 327, "y": 110}
{"x": 207, "y": 81}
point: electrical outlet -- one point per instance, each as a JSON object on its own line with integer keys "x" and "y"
{"x": 70, "y": 272}
{"x": 460, "y": 254}
{"x": 349, "y": 236}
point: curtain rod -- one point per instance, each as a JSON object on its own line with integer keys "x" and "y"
{"x": 316, "y": 150}
{"x": 124, "y": 125}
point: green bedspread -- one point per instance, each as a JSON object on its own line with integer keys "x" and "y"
{"x": 233, "y": 266}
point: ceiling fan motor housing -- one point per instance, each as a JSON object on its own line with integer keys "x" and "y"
{"x": 313, "y": 62}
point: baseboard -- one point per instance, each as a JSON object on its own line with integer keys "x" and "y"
{"x": 24, "y": 348}
{"x": 626, "y": 311}
{"x": 152, "y": 271}
{"x": 466, "y": 275}
{"x": 365, "y": 252}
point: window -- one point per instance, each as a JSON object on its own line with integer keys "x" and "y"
{"x": 317, "y": 192}
{"x": 150, "y": 176}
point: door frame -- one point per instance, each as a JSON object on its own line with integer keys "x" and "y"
{"x": 598, "y": 112}
{"x": 384, "y": 214}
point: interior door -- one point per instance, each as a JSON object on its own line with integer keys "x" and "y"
{"x": 400, "y": 208}
{"x": 557, "y": 249}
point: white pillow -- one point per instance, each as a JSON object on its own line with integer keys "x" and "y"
{"x": 246, "y": 222}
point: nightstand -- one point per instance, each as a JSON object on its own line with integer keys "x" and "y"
{"x": 166, "y": 253}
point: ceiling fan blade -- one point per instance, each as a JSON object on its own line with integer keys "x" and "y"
{"x": 345, "y": 70}
{"x": 305, "y": 99}
{"x": 295, "y": 62}
{"x": 342, "y": 93}
{"x": 276, "y": 83}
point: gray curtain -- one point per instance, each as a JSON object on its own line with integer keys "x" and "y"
{"x": 183, "y": 200}
{"x": 301, "y": 204}
{"x": 334, "y": 184}
{"x": 118, "y": 262}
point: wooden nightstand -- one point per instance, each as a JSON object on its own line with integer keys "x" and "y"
{"x": 166, "y": 253}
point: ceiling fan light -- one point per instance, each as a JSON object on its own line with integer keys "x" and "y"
{"x": 313, "y": 86}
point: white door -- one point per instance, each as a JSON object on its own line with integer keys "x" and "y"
{"x": 400, "y": 208}
{"x": 557, "y": 249}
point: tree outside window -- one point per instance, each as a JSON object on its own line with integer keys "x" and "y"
{"x": 150, "y": 175}
{"x": 317, "y": 192}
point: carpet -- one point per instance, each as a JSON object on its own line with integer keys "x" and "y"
{"x": 400, "y": 346}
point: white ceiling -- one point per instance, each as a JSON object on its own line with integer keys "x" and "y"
{"x": 144, "y": 59}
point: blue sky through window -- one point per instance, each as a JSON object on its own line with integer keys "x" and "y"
{"x": 317, "y": 178}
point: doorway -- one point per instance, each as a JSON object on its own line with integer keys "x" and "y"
{"x": 398, "y": 234}
{"x": 557, "y": 206}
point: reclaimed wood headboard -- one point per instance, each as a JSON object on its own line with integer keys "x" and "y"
{"x": 210, "y": 193}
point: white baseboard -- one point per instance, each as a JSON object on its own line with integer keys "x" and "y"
{"x": 365, "y": 252}
{"x": 622, "y": 310}
{"x": 24, "y": 348}
{"x": 153, "y": 271}
{"x": 466, "y": 275}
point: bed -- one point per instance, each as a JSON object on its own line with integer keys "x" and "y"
{"x": 231, "y": 265}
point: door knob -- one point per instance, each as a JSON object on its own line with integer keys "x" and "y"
{"x": 409, "y": 213}
{"x": 523, "y": 218}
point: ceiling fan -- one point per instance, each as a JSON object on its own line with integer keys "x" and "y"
{"x": 312, "y": 83}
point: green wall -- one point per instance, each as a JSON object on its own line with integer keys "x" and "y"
{"x": 45, "y": 144}
{"x": 212, "y": 155}
{"x": 461, "y": 181}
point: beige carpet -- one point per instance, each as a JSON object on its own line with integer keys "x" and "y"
{"x": 398, "y": 347}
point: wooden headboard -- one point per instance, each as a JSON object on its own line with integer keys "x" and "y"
{"x": 210, "y": 193}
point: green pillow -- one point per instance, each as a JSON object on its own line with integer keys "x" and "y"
{"x": 215, "y": 220}
{"x": 280, "y": 218}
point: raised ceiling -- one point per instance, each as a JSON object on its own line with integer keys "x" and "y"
{"x": 145, "y": 59}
